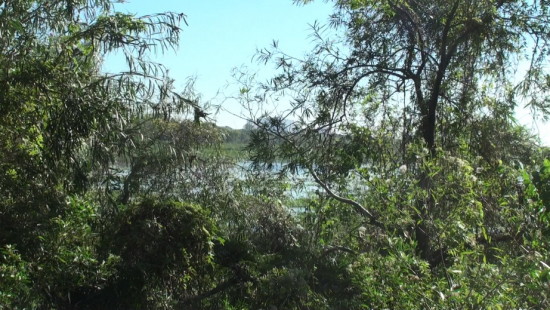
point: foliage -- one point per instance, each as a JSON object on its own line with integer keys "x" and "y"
{"x": 397, "y": 179}
{"x": 164, "y": 264}
{"x": 14, "y": 276}
{"x": 160, "y": 157}
{"x": 403, "y": 116}
{"x": 65, "y": 124}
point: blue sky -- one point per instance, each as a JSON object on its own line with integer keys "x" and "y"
{"x": 223, "y": 34}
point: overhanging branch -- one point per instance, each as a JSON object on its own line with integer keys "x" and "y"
{"x": 358, "y": 207}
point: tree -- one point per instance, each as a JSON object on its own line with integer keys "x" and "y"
{"x": 64, "y": 123}
{"x": 57, "y": 106}
{"x": 164, "y": 159}
{"x": 414, "y": 100}
{"x": 162, "y": 266}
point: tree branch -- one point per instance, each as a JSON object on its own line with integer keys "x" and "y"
{"x": 358, "y": 207}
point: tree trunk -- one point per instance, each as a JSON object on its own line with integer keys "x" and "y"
{"x": 428, "y": 128}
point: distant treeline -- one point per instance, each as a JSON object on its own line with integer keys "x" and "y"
{"x": 235, "y": 136}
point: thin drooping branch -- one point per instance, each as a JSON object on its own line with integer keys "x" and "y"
{"x": 358, "y": 207}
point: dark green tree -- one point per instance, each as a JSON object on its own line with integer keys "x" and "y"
{"x": 65, "y": 124}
